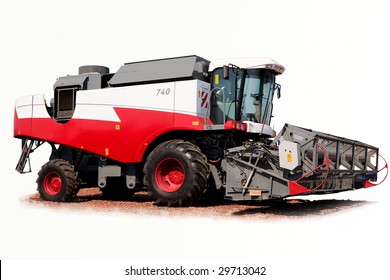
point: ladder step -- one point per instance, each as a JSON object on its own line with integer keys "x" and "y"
{"x": 27, "y": 145}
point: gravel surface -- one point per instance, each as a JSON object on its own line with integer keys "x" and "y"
{"x": 142, "y": 203}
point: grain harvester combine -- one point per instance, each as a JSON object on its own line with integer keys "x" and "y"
{"x": 182, "y": 126}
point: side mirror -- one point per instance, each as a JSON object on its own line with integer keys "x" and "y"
{"x": 225, "y": 72}
{"x": 278, "y": 89}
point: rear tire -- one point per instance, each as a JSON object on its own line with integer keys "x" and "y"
{"x": 176, "y": 173}
{"x": 57, "y": 181}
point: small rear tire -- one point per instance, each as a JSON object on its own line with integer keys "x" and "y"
{"x": 57, "y": 181}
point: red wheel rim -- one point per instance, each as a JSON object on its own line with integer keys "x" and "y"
{"x": 52, "y": 183}
{"x": 169, "y": 175}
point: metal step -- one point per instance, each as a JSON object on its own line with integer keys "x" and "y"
{"x": 28, "y": 146}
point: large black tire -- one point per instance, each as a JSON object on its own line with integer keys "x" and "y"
{"x": 176, "y": 173}
{"x": 57, "y": 181}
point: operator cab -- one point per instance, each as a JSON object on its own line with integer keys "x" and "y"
{"x": 242, "y": 91}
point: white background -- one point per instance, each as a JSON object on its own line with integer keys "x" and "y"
{"x": 336, "y": 55}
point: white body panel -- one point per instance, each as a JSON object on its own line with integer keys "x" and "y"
{"x": 253, "y": 127}
{"x": 39, "y": 104}
{"x": 99, "y": 104}
{"x": 192, "y": 98}
{"x": 31, "y": 106}
{"x": 23, "y": 106}
{"x": 187, "y": 97}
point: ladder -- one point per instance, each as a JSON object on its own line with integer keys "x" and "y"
{"x": 27, "y": 149}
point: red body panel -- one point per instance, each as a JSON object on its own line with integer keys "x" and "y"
{"x": 124, "y": 141}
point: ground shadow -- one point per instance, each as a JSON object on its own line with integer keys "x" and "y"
{"x": 139, "y": 197}
{"x": 302, "y": 207}
{"x": 215, "y": 206}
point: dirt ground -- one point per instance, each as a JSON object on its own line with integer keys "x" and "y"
{"x": 143, "y": 203}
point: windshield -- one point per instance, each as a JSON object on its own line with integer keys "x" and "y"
{"x": 244, "y": 95}
{"x": 258, "y": 95}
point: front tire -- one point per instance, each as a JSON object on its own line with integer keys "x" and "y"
{"x": 57, "y": 181}
{"x": 176, "y": 173}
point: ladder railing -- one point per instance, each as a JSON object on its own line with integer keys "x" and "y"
{"x": 27, "y": 149}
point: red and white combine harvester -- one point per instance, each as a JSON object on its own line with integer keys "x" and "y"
{"x": 182, "y": 126}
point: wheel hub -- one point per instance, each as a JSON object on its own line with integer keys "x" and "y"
{"x": 170, "y": 175}
{"x": 176, "y": 177}
{"x": 52, "y": 183}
